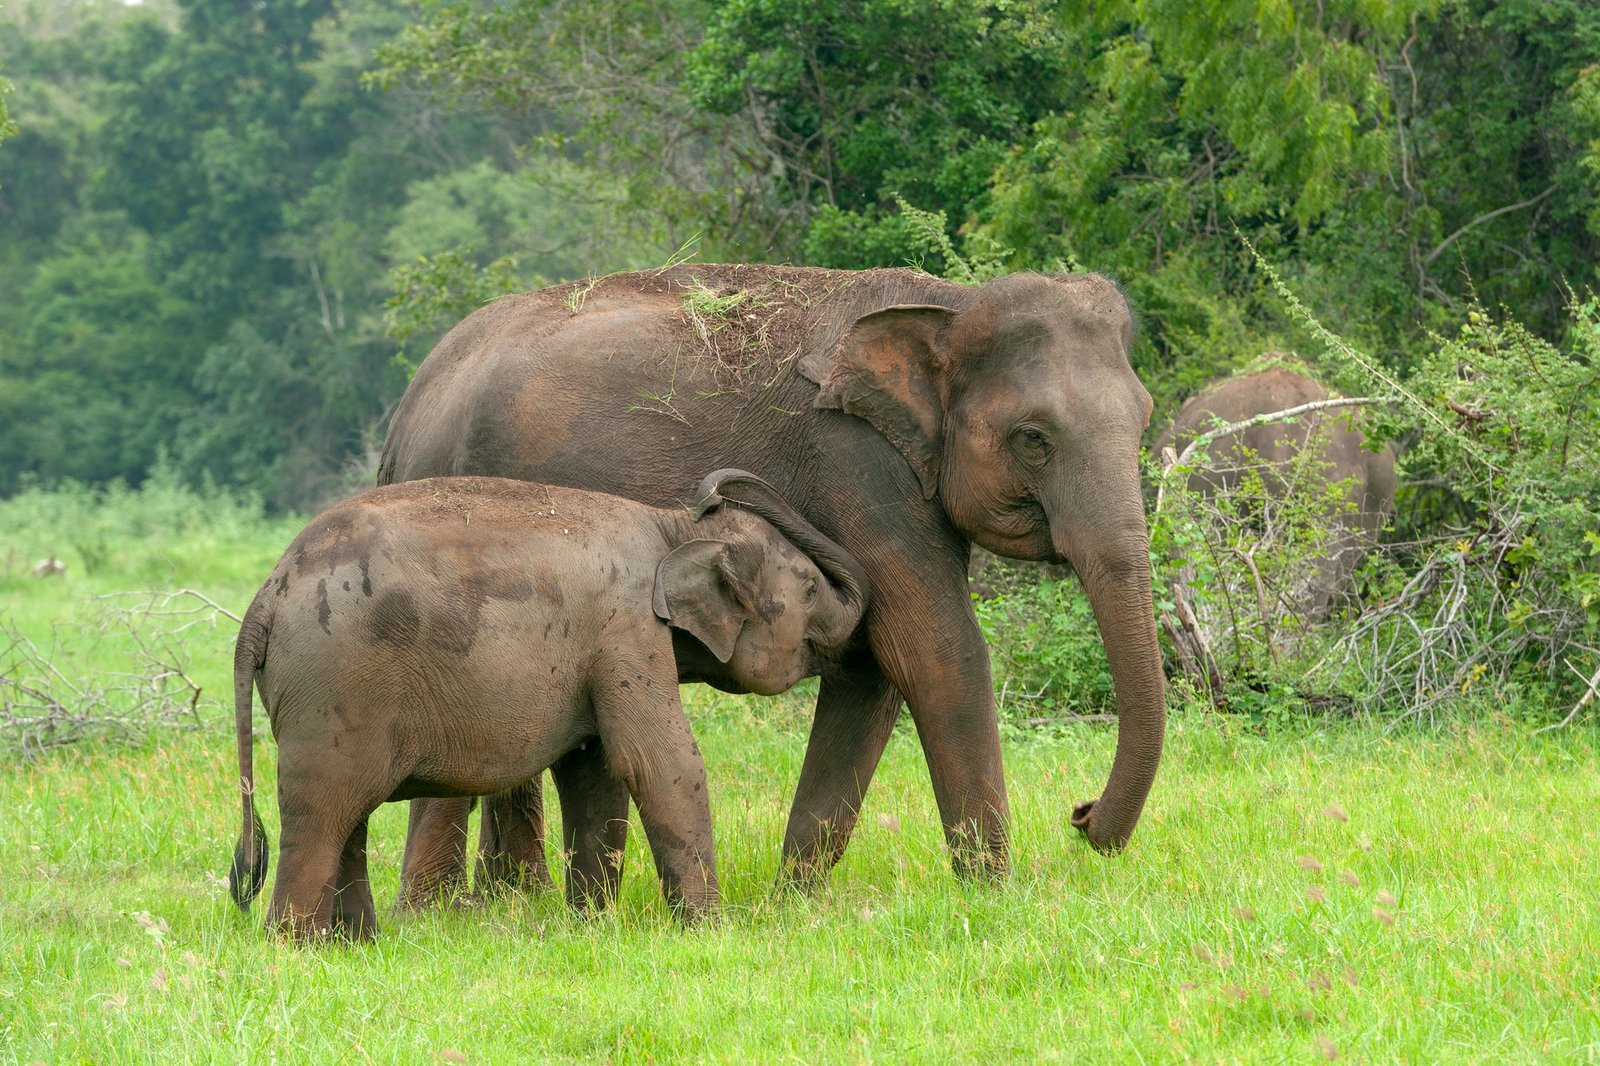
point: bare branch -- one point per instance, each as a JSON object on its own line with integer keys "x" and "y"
{"x": 42, "y": 707}
{"x": 1274, "y": 416}
{"x": 1428, "y": 259}
{"x": 1590, "y": 687}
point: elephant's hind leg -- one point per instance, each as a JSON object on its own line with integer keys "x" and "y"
{"x": 511, "y": 842}
{"x": 594, "y": 825}
{"x": 305, "y": 897}
{"x": 354, "y": 915}
{"x": 435, "y": 863}
{"x": 324, "y": 801}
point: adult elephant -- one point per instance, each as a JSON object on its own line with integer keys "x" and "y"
{"x": 906, "y": 418}
{"x": 1365, "y": 478}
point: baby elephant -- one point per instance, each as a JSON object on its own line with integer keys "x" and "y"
{"x": 457, "y": 636}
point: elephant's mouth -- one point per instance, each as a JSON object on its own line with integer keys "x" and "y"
{"x": 1021, "y": 531}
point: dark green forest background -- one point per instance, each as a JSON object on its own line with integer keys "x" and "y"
{"x": 228, "y": 229}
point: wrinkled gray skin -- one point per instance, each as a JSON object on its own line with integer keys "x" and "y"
{"x": 905, "y": 417}
{"x": 458, "y": 636}
{"x": 1371, "y": 474}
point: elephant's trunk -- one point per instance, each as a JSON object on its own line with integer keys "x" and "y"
{"x": 1116, "y": 575}
{"x": 750, "y": 493}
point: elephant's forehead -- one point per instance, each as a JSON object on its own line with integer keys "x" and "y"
{"x": 1090, "y": 397}
{"x": 1045, "y": 345}
{"x": 1087, "y": 301}
{"x": 1047, "y": 373}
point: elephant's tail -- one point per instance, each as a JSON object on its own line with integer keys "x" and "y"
{"x": 249, "y": 869}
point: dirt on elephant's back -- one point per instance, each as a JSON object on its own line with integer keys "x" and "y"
{"x": 744, "y": 316}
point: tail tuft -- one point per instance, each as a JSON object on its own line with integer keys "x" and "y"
{"x": 249, "y": 870}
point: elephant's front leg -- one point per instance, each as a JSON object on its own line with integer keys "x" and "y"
{"x": 928, "y": 646}
{"x": 649, "y": 747}
{"x": 856, "y": 711}
{"x": 943, "y": 669}
{"x": 511, "y": 842}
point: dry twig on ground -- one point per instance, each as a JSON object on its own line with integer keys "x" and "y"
{"x": 43, "y": 705}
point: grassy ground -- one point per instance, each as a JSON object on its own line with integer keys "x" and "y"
{"x": 1303, "y": 894}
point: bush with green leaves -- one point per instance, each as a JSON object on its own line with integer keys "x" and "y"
{"x": 132, "y": 532}
{"x": 1044, "y": 648}
{"x": 1498, "y": 583}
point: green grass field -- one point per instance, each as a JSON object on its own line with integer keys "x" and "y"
{"x": 1291, "y": 895}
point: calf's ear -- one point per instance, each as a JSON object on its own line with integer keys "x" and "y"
{"x": 698, "y": 591}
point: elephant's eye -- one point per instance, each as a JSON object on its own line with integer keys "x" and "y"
{"x": 1031, "y": 444}
{"x": 809, "y": 596}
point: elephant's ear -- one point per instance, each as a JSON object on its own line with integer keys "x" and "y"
{"x": 699, "y": 591}
{"x": 886, "y": 369}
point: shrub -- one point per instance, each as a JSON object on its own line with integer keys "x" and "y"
{"x": 1500, "y": 583}
{"x": 1044, "y": 648}
{"x": 1251, "y": 554}
{"x": 1497, "y": 582}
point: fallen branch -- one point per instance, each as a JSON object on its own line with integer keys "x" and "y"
{"x": 1195, "y": 658}
{"x": 42, "y": 707}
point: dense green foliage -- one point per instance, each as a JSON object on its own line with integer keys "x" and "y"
{"x": 225, "y": 238}
{"x": 197, "y": 219}
{"x": 7, "y": 127}
{"x": 1496, "y": 576}
{"x": 205, "y": 212}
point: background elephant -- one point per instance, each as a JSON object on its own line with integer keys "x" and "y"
{"x": 1272, "y": 449}
{"x": 905, "y": 417}
{"x": 458, "y": 636}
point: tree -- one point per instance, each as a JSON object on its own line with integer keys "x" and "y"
{"x": 95, "y": 378}
{"x": 603, "y": 86}
{"x": 1498, "y": 158}
{"x": 8, "y": 128}
{"x": 853, "y": 103}
{"x": 236, "y": 175}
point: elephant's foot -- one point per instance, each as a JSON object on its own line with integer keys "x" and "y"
{"x": 354, "y": 931}
{"x": 809, "y": 859}
{"x": 511, "y": 856}
{"x": 979, "y": 852}
{"x": 434, "y": 869}
{"x": 980, "y": 865}
{"x": 354, "y": 917}
{"x": 503, "y": 874}
{"x": 300, "y": 926}
{"x": 701, "y": 906}
{"x": 419, "y": 892}
{"x": 802, "y": 875}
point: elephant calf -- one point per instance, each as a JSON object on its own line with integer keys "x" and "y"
{"x": 456, "y": 636}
